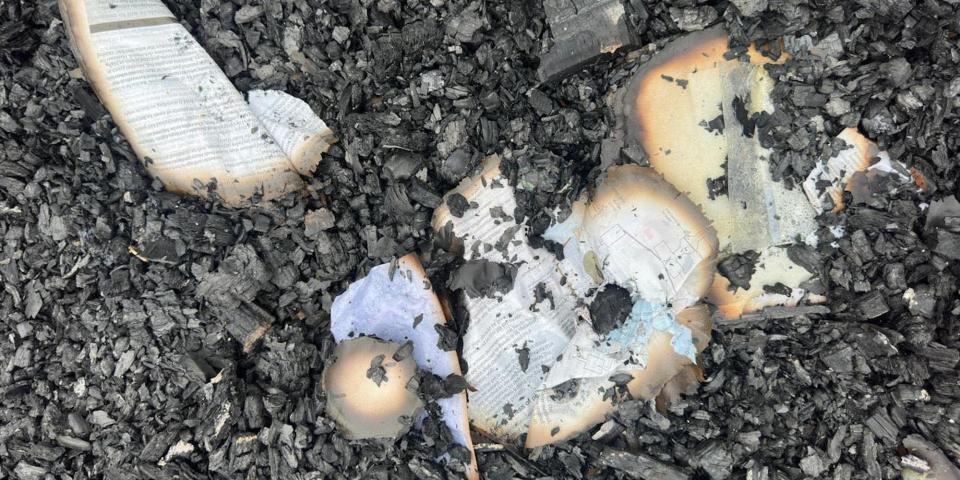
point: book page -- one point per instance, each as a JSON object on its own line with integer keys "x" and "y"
{"x": 694, "y": 113}
{"x": 652, "y": 241}
{"x": 643, "y": 235}
{"x": 511, "y": 321}
{"x": 181, "y": 114}
{"x": 396, "y": 303}
{"x": 298, "y": 131}
{"x": 558, "y": 382}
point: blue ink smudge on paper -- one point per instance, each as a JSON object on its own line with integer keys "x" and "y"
{"x": 645, "y": 318}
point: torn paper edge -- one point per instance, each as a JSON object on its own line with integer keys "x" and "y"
{"x": 861, "y": 155}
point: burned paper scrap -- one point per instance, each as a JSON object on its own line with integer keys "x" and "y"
{"x": 635, "y": 224}
{"x": 583, "y": 31}
{"x": 533, "y": 309}
{"x": 694, "y": 112}
{"x": 395, "y": 302}
{"x": 291, "y": 123}
{"x": 636, "y": 234}
{"x": 772, "y": 267}
{"x": 371, "y": 391}
{"x": 852, "y": 169}
{"x": 179, "y": 111}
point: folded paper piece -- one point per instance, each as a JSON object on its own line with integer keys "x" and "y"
{"x": 179, "y": 111}
{"x": 371, "y": 388}
{"x": 851, "y": 170}
{"x": 694, "y": 113}
{"x": 395, "y": 302}
{"x": 536, "y": 368}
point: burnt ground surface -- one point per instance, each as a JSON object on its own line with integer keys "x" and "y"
{"x": 108, "y": 361}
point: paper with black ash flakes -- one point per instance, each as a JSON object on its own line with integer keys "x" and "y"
{"x": 536, "y": 367}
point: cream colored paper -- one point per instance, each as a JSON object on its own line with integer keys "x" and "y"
{"x": 181, "y": 114}
{"x": 669, "y": 108}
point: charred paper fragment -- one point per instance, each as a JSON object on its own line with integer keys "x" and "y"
{"x": 637, "y": 234}
{"x": 853, "y": 169}
{"x": 583, "y": 31}
{"x": 181, "y": 114}
{"x": 370, "y": 393}
{"x": 637, "y": 224}
{"x": 695, "y": 112}
{"x": 395, "y": 302}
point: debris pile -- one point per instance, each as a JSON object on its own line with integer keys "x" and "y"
{"x": 148, "y": 334}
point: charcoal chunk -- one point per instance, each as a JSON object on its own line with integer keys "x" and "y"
{"x": 483, "y": 278}
{"x": 739, "y": 268}
{"x": 640, "y": 465}
{"x": 582, "y": 32}
{"x": 610, "y": 309}
{"x": 872, "y": 305}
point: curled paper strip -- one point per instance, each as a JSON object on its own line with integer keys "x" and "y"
{"x": 181, "y": 114}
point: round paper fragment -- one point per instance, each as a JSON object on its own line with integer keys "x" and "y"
{"x": 371, "y": 388}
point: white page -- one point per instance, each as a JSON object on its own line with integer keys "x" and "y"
{"x": 395, "y": 302}
{"x": 646, "y": 237}
{"x": 499, "y": 326}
